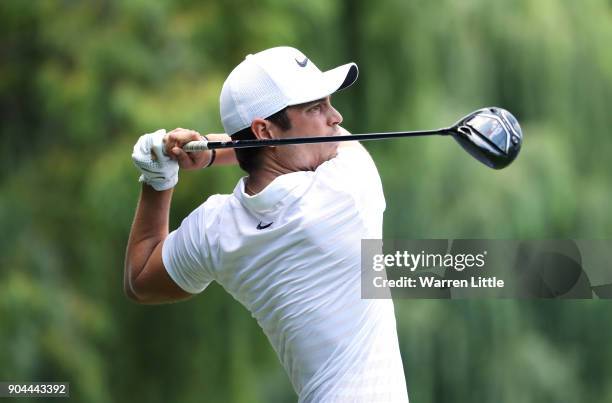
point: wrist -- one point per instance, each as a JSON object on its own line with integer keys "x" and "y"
{"x": 213, "y": 154}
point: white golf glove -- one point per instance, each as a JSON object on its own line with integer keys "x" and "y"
{"x": 158, "y": 170}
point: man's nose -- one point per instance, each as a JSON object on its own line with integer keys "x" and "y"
{"x": 335, "y": 118}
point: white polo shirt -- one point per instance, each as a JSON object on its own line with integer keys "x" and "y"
{"x": 291, "y": 255}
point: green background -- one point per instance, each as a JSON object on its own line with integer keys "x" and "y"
{"x": 81, "y": 80}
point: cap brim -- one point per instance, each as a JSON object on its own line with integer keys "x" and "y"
{"x": 332, "y": 81}
{"x": 346, "y": 75}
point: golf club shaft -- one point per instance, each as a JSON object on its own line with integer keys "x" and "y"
{"x": 193, "y": 146}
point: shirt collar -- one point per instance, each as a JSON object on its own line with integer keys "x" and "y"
{"x": 283, "y": 189}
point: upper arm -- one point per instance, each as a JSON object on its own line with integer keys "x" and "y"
{"x": 176, "y": 266}
{"x": 153, "y": 284}
{"x": 162, "y": 267}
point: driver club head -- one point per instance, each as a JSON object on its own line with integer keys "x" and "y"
{"x": 491, "y": 135}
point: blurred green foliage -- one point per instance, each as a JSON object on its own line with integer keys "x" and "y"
{"x": 81, "y": 80}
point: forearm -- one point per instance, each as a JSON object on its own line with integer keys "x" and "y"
{"x": 150, "y": 227}
{"x": 225, "y": 156}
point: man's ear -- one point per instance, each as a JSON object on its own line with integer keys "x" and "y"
{"x": 263, "y": 129}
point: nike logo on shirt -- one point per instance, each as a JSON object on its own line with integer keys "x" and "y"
{"x": 259, "y": 226}
{"x": 302, "y": 63}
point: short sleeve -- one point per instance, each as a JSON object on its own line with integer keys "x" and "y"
{"x": 184, "y": 254}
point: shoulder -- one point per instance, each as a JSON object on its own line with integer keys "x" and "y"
{"x": 352, "y": 166}
{"x": 353, "y": 171}
{"x": 201, "y": 224}
{"x": 351, "y": 158}
{"x": 212, "y": 208}
{"x": 215, "y": 201}
{"x": 213, "y": 204}
{"x": 204, "y": 217}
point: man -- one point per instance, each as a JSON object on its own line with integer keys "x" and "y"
{"x": 286, "y": 243}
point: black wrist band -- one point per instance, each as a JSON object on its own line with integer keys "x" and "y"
{"x": 212, "y": 157}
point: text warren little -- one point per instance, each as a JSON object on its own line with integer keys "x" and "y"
{"x": 433, "y": 282}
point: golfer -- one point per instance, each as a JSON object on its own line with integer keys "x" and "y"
{"x": 287, "y": 242}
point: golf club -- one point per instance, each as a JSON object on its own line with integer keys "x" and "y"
{"x": 491, "y": 135}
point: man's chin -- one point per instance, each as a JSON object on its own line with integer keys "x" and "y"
{"x": 334, "y": 152}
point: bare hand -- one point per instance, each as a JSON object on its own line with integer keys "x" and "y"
{"x": 173, "y": 147}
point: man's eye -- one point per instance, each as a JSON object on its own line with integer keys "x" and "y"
{"x": 316, "y": 108}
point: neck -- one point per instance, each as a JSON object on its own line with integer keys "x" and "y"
{"x": 258, "y": 180}
{"x": 273, "y": 165}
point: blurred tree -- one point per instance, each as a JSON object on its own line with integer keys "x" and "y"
{"x": 79, "y": 81}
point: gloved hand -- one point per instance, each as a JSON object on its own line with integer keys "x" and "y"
{"x": 158, "y": 170}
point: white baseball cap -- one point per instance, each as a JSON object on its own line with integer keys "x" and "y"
{"x": 269, "y": 81}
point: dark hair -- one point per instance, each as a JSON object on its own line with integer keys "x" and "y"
{"x": 249, "y": 159}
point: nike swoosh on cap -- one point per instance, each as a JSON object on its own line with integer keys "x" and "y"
{"x": 302, "y": 63}
{"x": 259, "y": 226}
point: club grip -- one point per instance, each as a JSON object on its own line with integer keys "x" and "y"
{"x": 193, "y": 146}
